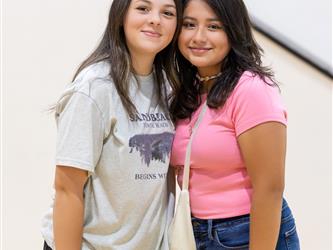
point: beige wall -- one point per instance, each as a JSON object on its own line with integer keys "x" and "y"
{"x": 289, "y": 22}
{"x": 43, "y": 43}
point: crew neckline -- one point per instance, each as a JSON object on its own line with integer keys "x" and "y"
{"x": 145, "y": 79}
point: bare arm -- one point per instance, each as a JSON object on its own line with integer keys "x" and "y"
{"x": 263, "y": 149}
{"x": 68, "y": 207}
{"x": 171, "y": 178}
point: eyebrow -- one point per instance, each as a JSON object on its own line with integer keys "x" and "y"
{"x": 149, "y": 2}
{"x": 209, "y": 19}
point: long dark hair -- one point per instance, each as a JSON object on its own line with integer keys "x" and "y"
{"x": 244, "y": 55}
{"x": 113, "y": 49}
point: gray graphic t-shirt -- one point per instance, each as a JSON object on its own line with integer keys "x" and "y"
{"x": 127, "y": 157}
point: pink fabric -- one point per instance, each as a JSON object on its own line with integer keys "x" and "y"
{"x": 219, "y": 184}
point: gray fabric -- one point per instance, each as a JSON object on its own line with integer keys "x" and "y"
{"x": 126, "y": 197}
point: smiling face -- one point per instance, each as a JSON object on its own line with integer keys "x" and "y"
{"x": 202, "y": 40}
{"x": 149, "y": 26}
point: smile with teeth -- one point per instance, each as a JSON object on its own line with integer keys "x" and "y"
{"x": 151, "y": 33}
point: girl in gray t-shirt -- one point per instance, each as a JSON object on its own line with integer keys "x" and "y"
{"x": 115, "y": 134}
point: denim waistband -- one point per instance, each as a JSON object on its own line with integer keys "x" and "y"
{"x": 227, "y": 222}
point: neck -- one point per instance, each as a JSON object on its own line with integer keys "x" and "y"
{"x": 206, "y": 86}
{"x": 142, "y": 64}
{"x": 207, "y": 81}
{"x": 209, "y": 71}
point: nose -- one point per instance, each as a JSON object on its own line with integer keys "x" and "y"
{"x": 154, "y": 18}
{"x": 199, "y": 35}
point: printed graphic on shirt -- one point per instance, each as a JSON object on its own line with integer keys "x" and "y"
{"x": 149, "y": 117}
{"x": 152, "y": 146}
{"x": 151, "y": 120}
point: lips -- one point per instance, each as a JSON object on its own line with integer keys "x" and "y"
{"x": 151, "y": 33}
{"x": 199, "y": 50}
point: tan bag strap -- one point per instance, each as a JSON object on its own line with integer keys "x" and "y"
{"x": 186, "y": 174}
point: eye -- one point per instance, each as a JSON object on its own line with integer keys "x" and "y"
{"x": 169, "y": 13}
{"x": 214, "y": 27}
{"x": 143, "y": 8}
{"x": 188, "y": 25}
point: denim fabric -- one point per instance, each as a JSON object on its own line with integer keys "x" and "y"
{"x": 46, "y": 247}
{"x": 233, "y": 233}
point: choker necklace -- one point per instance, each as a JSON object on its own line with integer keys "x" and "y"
{"x": 207, "y": 78}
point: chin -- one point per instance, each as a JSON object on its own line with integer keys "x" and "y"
{"x": 150, "y": 48}
{"x": 200, "y": 64}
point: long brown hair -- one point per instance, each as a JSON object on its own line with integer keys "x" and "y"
{"x": 244, "y": 55}
{"x": 113, "y": 49}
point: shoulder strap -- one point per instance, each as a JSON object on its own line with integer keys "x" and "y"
{"x": 186, "y": 174}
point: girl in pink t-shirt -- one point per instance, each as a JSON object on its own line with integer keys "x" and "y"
{"x": 238, "y": 152}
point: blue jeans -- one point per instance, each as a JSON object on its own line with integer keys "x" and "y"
{"x": 233, "y": 233}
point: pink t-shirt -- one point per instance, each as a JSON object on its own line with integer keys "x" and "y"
{"x": 219, "y": 184}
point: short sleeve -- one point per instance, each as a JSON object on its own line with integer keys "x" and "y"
{"x": 80, "y": 133}
{"x": 254, "y": 102}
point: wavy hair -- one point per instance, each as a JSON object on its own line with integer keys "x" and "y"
{"x": 244, "y": 55}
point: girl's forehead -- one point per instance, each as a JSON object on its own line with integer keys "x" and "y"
{"x": 170, "y": 3}
{"x": 199, "y": 8}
